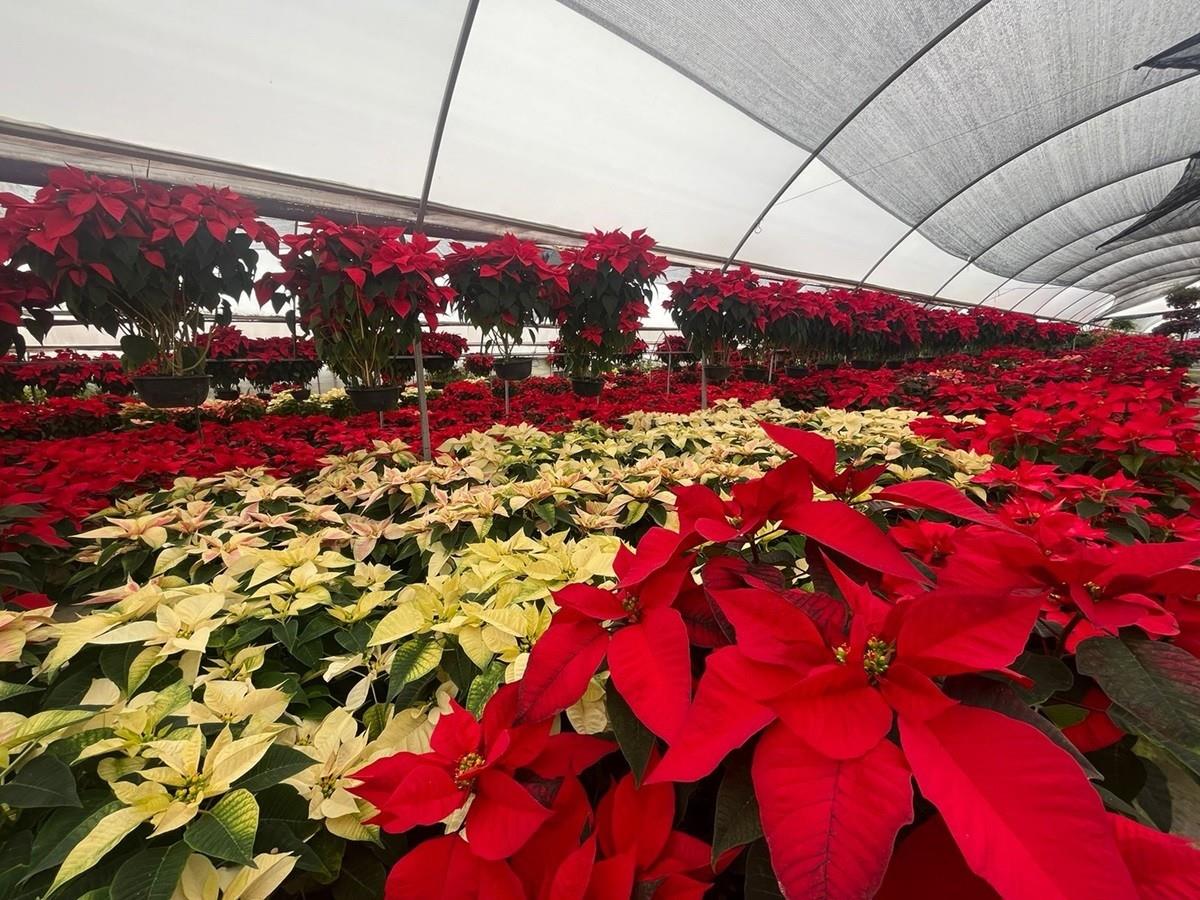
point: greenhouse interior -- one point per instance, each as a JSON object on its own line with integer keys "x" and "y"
{"x": 600, "y": 450}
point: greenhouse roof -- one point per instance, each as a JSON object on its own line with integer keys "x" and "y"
{"x": 1029, "y": 154}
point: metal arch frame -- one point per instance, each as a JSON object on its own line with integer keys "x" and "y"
{"x": 1057, "y": 249}
{"x": 998, "y": 166}
{"x": 1087, "y": 275}
{"x": 867, "y": 101}
{"x": 1166, "y": 275}
{"x": 1149, "y": 294}
{"x": 1160, "y": 274}
{"x": 460, "y": 49}
{"x": 1135, "y": 298}
{"x": 1150, "y": 266}
{"x": 1059, "y": 206}
{"x": 1054, "y": 280}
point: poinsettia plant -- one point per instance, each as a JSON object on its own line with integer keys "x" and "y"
{"x": 836, "y": 670}
{"x": 25, "y": 302}
{"x": 611, "y": 283}
{"x": 362, "y": 292}
{"x": 718, "y": 311}
{"x": 505, "y": 289}
{"x": 138, "y": 260}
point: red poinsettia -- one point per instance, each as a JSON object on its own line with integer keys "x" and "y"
{"x": 477, "y": 761}
{"x": 636, "y": 627}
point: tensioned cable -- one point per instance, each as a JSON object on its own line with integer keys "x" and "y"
{"x": 867, "y": 101}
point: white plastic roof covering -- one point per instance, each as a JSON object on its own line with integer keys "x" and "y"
{"x": 1022, "y": 137}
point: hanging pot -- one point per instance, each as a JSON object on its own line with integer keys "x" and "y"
{"x": 717, "y": 374}
{"x": 755, "y": 373}
{"x": 375, "y": 399}
{"x": 172, "y": 391}
{"x": 515, "y": 368}
{"x": 796, "y": 371}
{"x": 227, "y": 394}
{"x": 301, "y": 394}
{"x": 437, "y": 362}
{"x": 587, "y": 387}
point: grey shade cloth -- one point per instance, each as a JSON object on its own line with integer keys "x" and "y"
{"x": 1178, "y": 210}
{"x": 1074, "y": 115}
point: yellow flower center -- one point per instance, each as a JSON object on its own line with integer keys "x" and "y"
{"x": 1093, "y": 589}
{"x": 878, "y": 657}
{"x": 192, "y": 790}
{"x": 466, "y": 770}
{"x": 840, "y": 653}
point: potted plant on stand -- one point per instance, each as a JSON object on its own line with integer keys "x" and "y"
{"x": 362, "y": 293}
{"x": 505, "y": 289}
{"x": 141, "y": 262}
{"x": 225, "y": 348}
{"x": 611, "y": 283}
{"x": 716, "y": 311}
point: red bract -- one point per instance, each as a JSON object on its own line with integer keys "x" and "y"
{"x": 636, "y": 627}
{"x": 477, "y": 761}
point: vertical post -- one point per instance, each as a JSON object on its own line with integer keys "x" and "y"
{"x": 505, "y": 398}
{"x": 703, "y": 381}
{"x": 670, "y": 365}
{"x": 451, "y": 79}
{"x": 422, "y": 400}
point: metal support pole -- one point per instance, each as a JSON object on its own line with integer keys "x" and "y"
{"x": 703, "y": 381}
{"x": 867, "y": 101}
{"x": 447, "y": 95}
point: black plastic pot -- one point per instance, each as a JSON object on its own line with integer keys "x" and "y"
{"x": 894, "y": 363}
{"x": 515, "y": 368}
{"x": 796, "y": 371}
{"x": 826, "y": 367}
{"x": 678, "y": 360}
{"x": 375, "y": 399}
{"x": 867, "y": 365}
{"x": 717, "y": 374}
{"x": 301, "y": 394}
{"x": 227, "y": 393}
{"x": 438, "y": 363}
{"x": 587, "y": 387}
{"x": 755, "y": 373}
{"x": 172, "y": 391}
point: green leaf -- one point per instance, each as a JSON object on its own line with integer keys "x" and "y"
{"x": 97, "y": 843}
{"x": 484, "y": 685}
{"x": 227, "y": 830}
{"x": 362, "y": 876}
{"x": 43, "y": 782}
{"x": 8, "y": 690}
{"x": 151, "y": 874}
{"x": 136, "y": 351}
{"x": 277, "y": 764}
{"x": 761, "y": 883}
{"x": 736, "y": 821}
{"x": 413, "y": 659}
{"x": 635, "y": 739}
{"x": 1049, "y": 674}
{"x": 61, "y": 831}
{"x": 1156, "y": 682}
{"x": 41, "y": 724}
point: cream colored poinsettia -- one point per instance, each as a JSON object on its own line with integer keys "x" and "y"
{"x": 201, "y": 880}
{"x": 18, "y": 628}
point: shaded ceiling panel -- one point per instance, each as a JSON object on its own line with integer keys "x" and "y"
{"x": 1178, "y": 210}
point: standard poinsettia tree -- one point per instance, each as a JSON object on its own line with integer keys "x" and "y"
{"x": 718, "y": 311}
{"x": 611, "y": 283}
{"x": 138, "y": 260}
{"x": 362, "y": 292}
{"x": 505, "y": 288}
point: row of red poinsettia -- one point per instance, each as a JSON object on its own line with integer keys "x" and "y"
{"x": 150, "y": 263}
